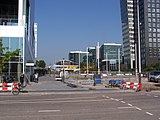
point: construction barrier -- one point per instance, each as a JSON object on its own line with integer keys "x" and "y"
{"x": 132, "y": 85}
{"x": 13, "y": 87}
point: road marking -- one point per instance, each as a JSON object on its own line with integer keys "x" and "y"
{"x": 125, "y": 107}
{"x": 130, "y": 104}
{"x": 138, "y": 108}
{"x": 116, "y": 100}
{"x": 112, "y": 98}
{"x": 149, "y": 113}
{"x": 107, "y": 97}
{"x": 155, "y": 96}
{"x": 123, "y": 102}
{"x": 49, "y": 111}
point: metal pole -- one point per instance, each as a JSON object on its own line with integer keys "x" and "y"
{"x": 139, "y": 42}
{"x": 119, "y": 67}
{"x": 79, "y": 64}
{"x": 107, "y": 62}
{"x": 63, "y": 71}
{"x": 87, "y": 61}
{"x": 98, "y": 58}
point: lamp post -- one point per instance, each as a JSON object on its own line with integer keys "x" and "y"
{"x": 63, "y": 71}
{"x": 139, "y": 42}
{"x": 87, "y": 61}
{"x": 107, "y": 62}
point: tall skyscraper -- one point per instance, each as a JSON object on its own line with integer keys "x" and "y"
{"x": 128, "y": 31}
{"x": 149, "y": 23}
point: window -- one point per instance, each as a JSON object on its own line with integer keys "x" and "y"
{"x": 150, "y": 39}
{"x": 153, "y": 10}
{"x": 154, "y": 34}
{"x": 154, "y": 39}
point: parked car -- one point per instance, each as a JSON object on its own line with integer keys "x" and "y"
{"x": 154, "y": 76}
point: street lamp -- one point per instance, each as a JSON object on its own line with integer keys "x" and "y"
{"x": 139, "y": 42}
{"x": 63, "y": 71}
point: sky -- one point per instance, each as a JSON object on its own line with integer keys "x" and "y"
{"x": 73, "y": 25}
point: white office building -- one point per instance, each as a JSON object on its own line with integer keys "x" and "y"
{"x": 18, "y": 31}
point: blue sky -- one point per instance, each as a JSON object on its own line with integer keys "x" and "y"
{"x": 68, "y": 25}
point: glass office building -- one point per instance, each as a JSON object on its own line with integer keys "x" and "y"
{"x": 129, "y": 31}
{"x": 110, "y": 56}
{"x": 17, "y": 32}
{"x": 149, "y": 23}
{"x": 150, "y": 31}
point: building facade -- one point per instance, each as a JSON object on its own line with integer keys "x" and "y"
{"x": 150, "y": 31}
{"x": 129, "y": 31}
{"x": 110, "y": 56}
{"x": 149, "y": 24}
{"x": 17, "y": 32}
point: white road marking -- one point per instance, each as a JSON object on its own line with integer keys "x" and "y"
{"x": 138, "y": 108}
{"x": 49, "y": 111}
{"x": 123, "y": 102}
{"x": 155, "y": 96}
{"x": 130, "y": 104}
{"x": 112, "y": 98}
{"x": 116, "y": 100}
{"x": 149, "y": 113}
{"x": 125, "y": 107}
{"x": 107, "y": 97}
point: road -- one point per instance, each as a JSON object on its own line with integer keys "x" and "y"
{"x": 81, "y": 106}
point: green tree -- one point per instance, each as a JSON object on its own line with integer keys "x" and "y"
{"x": 40, "y": 63}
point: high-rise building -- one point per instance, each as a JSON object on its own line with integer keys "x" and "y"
{"x": 149, "y": 18}
{"x": 18, "y": 32}
{"x": 128, "y": 18}
{"x": 149, "y": 24}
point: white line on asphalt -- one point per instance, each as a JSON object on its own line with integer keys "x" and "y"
{"x": 138, "y": 108}
{"x": 49, "y": 110}
{"x": 130, "y": 104}
{"x": 123, "y": 102}
{"x": 112, "y": 98}
{"x": 155, "y": 96}
{"x": 159, "y": 118}
{"x": 125, "y": 107}
{"x": 149, "y": 113}
{"x": 116, "y": 100}
{"x": 107, "y": 97}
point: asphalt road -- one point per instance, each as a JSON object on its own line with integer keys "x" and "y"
{"x": 81, "y": 106}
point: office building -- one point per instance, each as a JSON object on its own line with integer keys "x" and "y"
{"x": 149, "y": 17}
{"x": 110, "y": 56}
{"x": 149, "y": 24}
{"x": 92, "y": 56}
{"x": 128, "y": 18}
{"x": 18, "y": 32}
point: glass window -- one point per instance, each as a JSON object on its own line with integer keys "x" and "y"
{"x": 153, "y": 5}
{"x": 149, "y": 19}
{"x": 154, "y": 39}
{"x": 149, "y": 9}
{"x": 150, "y": 39}
{"x": 153, "y": 15}
{"x": 153, "y": 10}
{"x": 154, "y": 34}
{"x": 154, "y": 20}
{"x": 150, "y": 44}
{"x": 154, "y": 25}
{"x": 158, "y": 30}
{"x": 150, "y": 29}
{"x": 154, "y": 30}
{"x": 149, "y": 14}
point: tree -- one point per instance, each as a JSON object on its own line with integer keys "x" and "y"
{"x": 40, "y": 63}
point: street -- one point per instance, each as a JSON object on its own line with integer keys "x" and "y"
{"x": 81, "y": 106}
